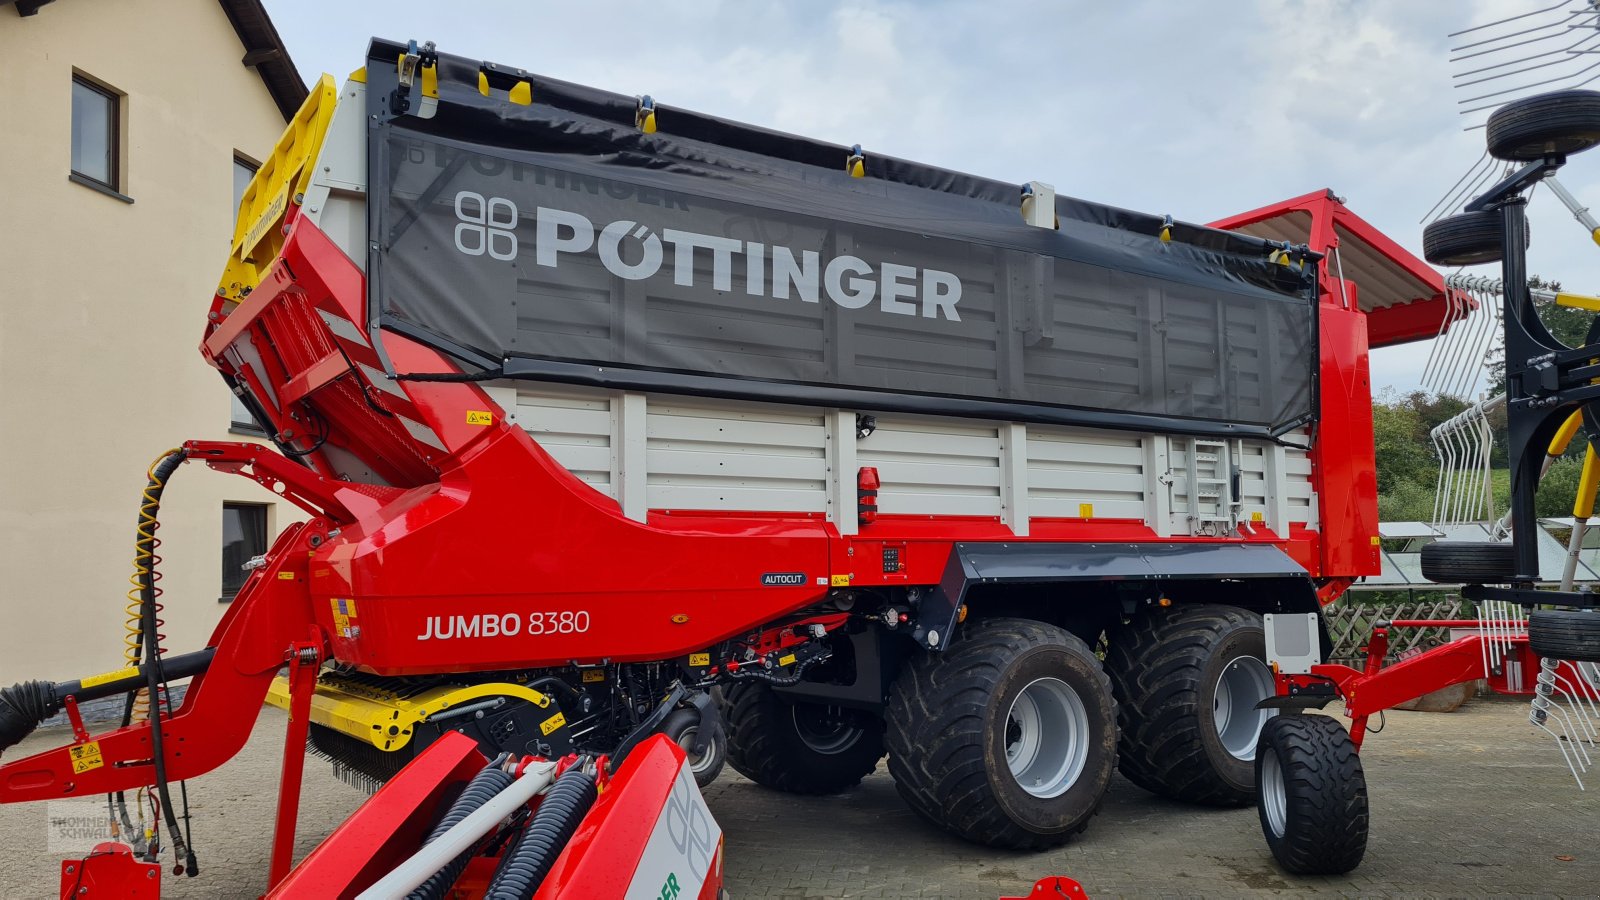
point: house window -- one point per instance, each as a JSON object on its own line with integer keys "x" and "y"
{"x": 241, "y": 419}
{"x": 96, "y": 134}
{"x": 243, "y": 171}
{"x": 244, "y": 537}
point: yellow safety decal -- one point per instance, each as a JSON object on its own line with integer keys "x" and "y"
{"x": 118, "y": 675}
{"x": 1376, "y": 541}
{"x": 786, "y": 660}
{"x": 1258, "y": 516}
{"x": 344, "y": 616}
{"x": 86, "y": 757}
{"x": 699, "y": 659}
{"x": 552, "y": 723}
{"x": 1085, "y": 510}
{"x": 480, "y": 417}
{"x": 285, "y": 576}
{"x": 841, "y": 581}
{"x": 590, "y": 676}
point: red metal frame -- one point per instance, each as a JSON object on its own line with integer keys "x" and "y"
{"x": 110, "y": 871}
{"x": 1377, "y": 687}
{"x": 304, "y": 660}
{"x": 387, "y": 828}
{"x": 599, "y": 861}
{"x": 476, "y": 520}
{"x": 1343, "y": 463}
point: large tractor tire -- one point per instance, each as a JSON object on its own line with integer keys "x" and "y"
{"x": 1006, "y": 738}
{"x": 1560, "y": 122}
{"x": 1187, "y": 681}
{"x": 1565, "y": 634}
{"x": 795, "y": 746}
{"x": 1313, "y": 795}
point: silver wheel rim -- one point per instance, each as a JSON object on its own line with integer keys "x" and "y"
{"x": 1274, "y": 799}
{"x": 824, "y": 729}
{"x": 1047, "y": 738}
{"x": 701, "y": 763}
{"x": 1244, "y": 682}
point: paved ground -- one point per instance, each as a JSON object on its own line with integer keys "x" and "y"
{"x": 1471, "y": 803}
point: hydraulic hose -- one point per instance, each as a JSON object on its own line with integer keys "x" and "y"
{"x": 22, "y": 707}
{"x": 145, "y": 576}
{"x": 137, "y": 620}
{"x": 525, "y": 865}
{"x": 484, "y": 785}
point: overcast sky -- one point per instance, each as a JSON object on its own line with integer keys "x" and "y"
{"x": 1200, "y": 110}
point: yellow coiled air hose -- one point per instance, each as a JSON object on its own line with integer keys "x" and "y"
{"x": 145, "y": 566}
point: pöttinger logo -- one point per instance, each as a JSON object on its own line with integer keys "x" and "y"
{"x": 487, "y": 226}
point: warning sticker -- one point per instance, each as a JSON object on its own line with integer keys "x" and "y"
{"x": 86, "y": 757}
{"x": 480, "y": 417}
{"x": 344, "y": 617}
{"x": 786, "y": 660}
{"x": 699, "y": 659}
{"x": 552, "y": 723}
{"x": 591, "y": 676}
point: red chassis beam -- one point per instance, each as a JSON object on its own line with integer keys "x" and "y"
{"x": 1377, "y": 687}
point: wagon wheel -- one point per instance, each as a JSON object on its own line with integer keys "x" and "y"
{"x": 1469, "y": 239}
{"x": 1557, "y": 123}
{"x": 1469, "y": 562}
{"x": 1313, "y": 795}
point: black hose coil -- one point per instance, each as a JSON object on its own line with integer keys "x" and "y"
{"x": 483, "y": 786}
{"x": 526, "y": 864}
{"x": 22, "y": 707}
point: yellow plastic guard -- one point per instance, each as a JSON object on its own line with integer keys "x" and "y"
{"x": 384, "y": 719}
{"x": 1583, "y": 504}
{"x": 1578, "y": 301}
{"x": 1563, "y": 436}
{"x": 282, "y": 179}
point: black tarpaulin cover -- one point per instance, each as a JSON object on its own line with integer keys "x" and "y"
{"x": 555, "y": 240}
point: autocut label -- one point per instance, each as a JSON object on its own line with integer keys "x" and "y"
{"x": 491, "y": 227}
{"x": 783, "y": 579}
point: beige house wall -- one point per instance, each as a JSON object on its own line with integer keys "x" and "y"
{"x": 101, "y": 308}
